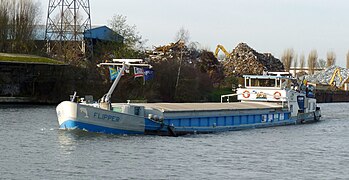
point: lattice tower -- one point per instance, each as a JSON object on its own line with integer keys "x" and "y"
{"x": 67, "y": 21}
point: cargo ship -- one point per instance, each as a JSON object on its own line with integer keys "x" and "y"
{"x": 271, "y": 99}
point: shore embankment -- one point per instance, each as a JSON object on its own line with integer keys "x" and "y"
{"x": 43, "y": 82}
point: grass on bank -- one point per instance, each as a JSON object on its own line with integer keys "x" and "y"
{"x": 27, "y": 59}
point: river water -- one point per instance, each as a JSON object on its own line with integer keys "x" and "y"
{"x": 32, "y": 147}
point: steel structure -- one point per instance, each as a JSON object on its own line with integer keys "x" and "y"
{"x": 67, "y": 21}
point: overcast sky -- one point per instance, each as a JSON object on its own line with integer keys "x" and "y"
{"x": 265, "y": 25}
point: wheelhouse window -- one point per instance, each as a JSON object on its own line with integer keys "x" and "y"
{"x": 267, "y": 81}
{"x": 263, "y": 83}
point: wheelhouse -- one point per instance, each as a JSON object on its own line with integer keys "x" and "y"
{"x": 267, "y": 87}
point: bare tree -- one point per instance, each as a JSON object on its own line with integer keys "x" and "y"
{"x": 295, "y": 64}
{"x": 331, "y": 59}
{"x": 287, "y": 59}
{"x": 348, "y": 60}
{"x": 182, "y": 35}
{"x": 19, "y": 19}
{"x": 322, "y": 63}
{"x": 4, "y": 22}
{"x": 312, "y": 59}
{"x": 301, "y": 63}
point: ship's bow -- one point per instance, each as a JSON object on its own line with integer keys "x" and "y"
{"x": 67, "y": 114}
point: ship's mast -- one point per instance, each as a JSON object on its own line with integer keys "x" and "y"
{"x": 125, "y": 64}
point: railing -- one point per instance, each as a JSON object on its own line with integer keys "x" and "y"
{"x": 228, "y": 95}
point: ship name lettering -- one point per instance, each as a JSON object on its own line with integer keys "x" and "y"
{"x": 106, "y": 117}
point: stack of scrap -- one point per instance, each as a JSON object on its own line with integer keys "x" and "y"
{"x": 208, "y": 63}
{"x": 205, "y": 61}
{"x": 245, "y": 60}
{"x": 325, "y": 76}
{"x": 170, "y": 51}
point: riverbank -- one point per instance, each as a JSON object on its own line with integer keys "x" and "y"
{"x": 25, "y": 58}
{"x": 323, "y": 96}
{"x": 46, "y": 82}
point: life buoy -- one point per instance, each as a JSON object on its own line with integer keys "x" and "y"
{"x": 277, "y": 95}
{"x": 246, "y": 94}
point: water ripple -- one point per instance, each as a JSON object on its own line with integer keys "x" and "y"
{"x": 32, "y": 147}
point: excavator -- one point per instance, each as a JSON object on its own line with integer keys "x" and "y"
{"x": 221, "y": 47}
{"x": 336, "y": 72}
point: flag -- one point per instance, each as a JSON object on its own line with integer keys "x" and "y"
{"x": 127, "y": 70}
{"x": 123, "y": 73}
{"x": 148, "y": 74}
{"x": 113, "y": 73}
{"x": 138, "y": 72}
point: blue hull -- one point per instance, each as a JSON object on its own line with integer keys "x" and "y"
{"x": 183, "y": 126}
{"x": 175, "y": 131}
{"x": 70, "y": 124}
{"x": 173, "y": 128}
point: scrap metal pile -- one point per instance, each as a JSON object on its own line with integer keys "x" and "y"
{"x": 325, "y": 76}
{"x": 173, "y": 50}
{"x": 245, "y": 60}
{"x": 188, "y": 55}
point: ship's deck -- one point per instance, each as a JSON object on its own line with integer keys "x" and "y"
{"x": 171, "y": 107}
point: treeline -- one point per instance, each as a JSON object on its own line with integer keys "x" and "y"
{"x": 290, "y": 59}
{"x": 18, "y": 19}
